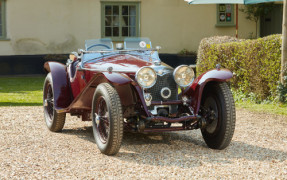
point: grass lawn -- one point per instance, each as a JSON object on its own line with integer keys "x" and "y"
{"x": 271, "y": 108}
{"x": 27, "y": 91}
{"x": 21, "y": 91}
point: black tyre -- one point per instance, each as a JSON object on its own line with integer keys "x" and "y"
{"x": 219, "y": 109}
{"x": 54, "y": 121}
{"x": 107, "y": 119}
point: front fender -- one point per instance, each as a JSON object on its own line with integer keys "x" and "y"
{"x": 196, "y": 89}
{"x": 61, "y": 84}
{"x": 118, "y": 80}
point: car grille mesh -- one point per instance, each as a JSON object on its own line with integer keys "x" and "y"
{"x": 164, "y": 81}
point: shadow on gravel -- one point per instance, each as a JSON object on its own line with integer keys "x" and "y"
{"x": 85, "y": 133}
{"x": 181, "y": 150}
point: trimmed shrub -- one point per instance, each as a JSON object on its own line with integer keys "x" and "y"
{"x": 255, "y": 63}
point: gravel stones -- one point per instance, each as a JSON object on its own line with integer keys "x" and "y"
{"x": 28, "y": 150}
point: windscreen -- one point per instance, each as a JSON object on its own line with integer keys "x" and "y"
{"x": 138, "y": 47}
{"x": 99, "y": 44}
{"x": 137, "y": 43}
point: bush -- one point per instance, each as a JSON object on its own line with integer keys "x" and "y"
{"x": 256, "y": 63}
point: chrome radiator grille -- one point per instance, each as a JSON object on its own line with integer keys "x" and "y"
{"x": 164, "y": 81}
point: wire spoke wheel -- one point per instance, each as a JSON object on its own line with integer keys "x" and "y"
{"x": 107, "y": 119}
{"x": 55, "y": 121}
{"x": 102, "y": 119}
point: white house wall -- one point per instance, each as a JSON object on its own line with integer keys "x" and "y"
{"x": 61, "y": 26}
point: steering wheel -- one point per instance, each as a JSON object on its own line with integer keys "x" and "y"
{"x": 102, "y": 45}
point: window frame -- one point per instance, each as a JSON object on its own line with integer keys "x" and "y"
{"x": 120, "y": 4}
{"x": 225, "y": 24}
{"x": 3, "y": 20}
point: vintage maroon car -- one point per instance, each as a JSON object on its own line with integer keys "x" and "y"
{"x": 130, "y": 88}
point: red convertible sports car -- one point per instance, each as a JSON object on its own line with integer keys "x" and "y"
{"x": 129, "y": 88}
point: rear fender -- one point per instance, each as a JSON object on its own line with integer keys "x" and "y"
{"x": 194, "y": 92}
{"x": 61, "y": 84}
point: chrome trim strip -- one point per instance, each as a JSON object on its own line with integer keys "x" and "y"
{"x": 101, "y": 70}
{"x": 125, "y": 50}
{"x": 163, "y": 73}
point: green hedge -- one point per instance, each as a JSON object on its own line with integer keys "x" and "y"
{"x": 256, "y": 63}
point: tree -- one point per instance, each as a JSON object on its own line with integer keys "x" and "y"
{"x": 255, "y": 11}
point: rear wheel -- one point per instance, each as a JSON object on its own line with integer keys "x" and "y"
{"x": 219, "y": 110}
{"x": 54, "y": 121}
{"x": 107, "y": 119}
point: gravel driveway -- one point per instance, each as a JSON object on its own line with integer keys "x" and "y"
{"x": 29, "y": 151}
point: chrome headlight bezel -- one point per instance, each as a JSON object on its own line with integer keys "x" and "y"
{"x": 177, "y": 69}
{"x": 139, "y": 82}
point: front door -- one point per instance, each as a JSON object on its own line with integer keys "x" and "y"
{"x": 272, "y": 22}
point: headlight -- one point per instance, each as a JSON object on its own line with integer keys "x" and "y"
{"x": 146, "y": 77}
{"x": 183, "y": 75}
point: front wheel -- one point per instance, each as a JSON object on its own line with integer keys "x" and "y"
{"x": 107, "y": 119}
{"x": 217, "y": 106}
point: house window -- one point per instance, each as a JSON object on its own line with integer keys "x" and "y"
{"x": 2, "y": 19}
{"x": 120, "y": 20}
{"x": 225, "y": 15}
